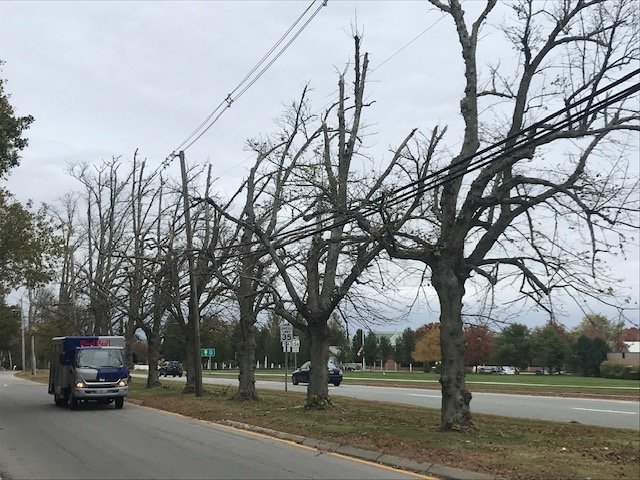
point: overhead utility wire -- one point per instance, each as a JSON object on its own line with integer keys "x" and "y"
{"x": 518, "y": 135}
{"x": 408, "y": 43}
{"x": 286, "y": 238}
{"x": 246, "y": 77}
{"x": 310, "y": 229}
{"x": 459, "y": 170}
{"x": 372, "y": 70}
{"x": 224, "y": 105}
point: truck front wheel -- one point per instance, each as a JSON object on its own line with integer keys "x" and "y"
{"x": 119, "y": 402}
{"x": 73, "y": 403}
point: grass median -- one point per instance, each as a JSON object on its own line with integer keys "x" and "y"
{"x": 506, "y": 447}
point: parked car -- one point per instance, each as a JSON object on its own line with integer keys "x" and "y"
{"x": 509, "y": 370}
{"x": 301, "y": 374}
{"x": 487, "y": 369}
{"x": 170, "y": 367}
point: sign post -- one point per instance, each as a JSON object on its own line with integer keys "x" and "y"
{"x": 286, "y": 337}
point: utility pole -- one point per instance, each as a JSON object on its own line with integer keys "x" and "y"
{"x": 33, "y": 354}
{"x": 193, "y": 298}
{"x": 364, "y": 365}
{"x": 24, "y": 353}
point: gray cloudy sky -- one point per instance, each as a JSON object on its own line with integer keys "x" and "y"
{"x": 105, "y": 78}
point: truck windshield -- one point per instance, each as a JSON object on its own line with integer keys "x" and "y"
{"x": 100, "y": 358}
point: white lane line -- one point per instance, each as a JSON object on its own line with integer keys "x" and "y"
{"x": 604, "y": 411}
{"x": 421, "y": 395}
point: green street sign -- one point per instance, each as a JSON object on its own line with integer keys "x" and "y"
{"x": 208, "y": 352}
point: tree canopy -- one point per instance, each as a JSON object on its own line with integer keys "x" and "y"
{"x": 11, "y": 130}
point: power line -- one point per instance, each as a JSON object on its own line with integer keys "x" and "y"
{"x": 408, "y": 43}
{"x": 518, "y": 141}
{"x": 316, "y": 112}
{"x": 225, "y": 104}
{"x": 459, "y": 169}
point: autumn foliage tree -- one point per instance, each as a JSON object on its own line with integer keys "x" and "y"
{"x": 478, "y": 344}
{"x": 427, "y": 347}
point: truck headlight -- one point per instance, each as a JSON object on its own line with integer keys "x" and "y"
{"x": 122, "y": 383}
{"x": 79, "y": 384}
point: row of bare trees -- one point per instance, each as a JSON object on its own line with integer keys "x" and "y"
{"x": 317, "y": 222}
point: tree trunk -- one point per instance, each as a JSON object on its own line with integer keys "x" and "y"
{"x": 102, "y": 321}
{"x": 129, "y": 339}
{"x": 455, "y": 413}
{"x": 318, "y": 389}
{"x": 246, "y": 361}
{"x": 153, "y": 353}
{"x": 189, "y": 361}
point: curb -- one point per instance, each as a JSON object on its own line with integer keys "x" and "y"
{"x": 440, "y": 471}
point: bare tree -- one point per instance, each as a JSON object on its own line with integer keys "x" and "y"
{"x": 529, "y": 195}
{"x": 143, "y": 301}
{"x": 69, "y": 304}
{"x": 106, "y": 226}
{"x": 207, "y": 288}
{"x": 322, "y": 257}
{"x": 252, "y": 278}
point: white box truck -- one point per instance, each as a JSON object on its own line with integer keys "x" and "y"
{"x": 88, "y": 369}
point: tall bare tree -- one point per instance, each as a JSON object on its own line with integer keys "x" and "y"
{"x": 252, "y": 278}
{"x": 320, "y": 262}
{"x": 558, "y": 191}
{"x": 107, "y": 220}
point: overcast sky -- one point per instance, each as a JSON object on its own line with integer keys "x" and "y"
{"x": 105, "y": 78}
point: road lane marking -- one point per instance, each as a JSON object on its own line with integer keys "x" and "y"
{"x": 604, "y": 411}
{"x": 422, "y": 395}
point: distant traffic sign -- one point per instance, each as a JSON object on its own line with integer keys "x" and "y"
{"x": 295, "y": 345}
{"x": 208, "y": 352}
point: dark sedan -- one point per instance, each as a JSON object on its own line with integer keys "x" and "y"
{"x": 170, "y": 368}
{"x": 301, "y": 375}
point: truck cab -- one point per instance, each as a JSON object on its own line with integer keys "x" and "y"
{"x": 88, "y": 369}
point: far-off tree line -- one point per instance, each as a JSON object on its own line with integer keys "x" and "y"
{"x": 522, "y": 204}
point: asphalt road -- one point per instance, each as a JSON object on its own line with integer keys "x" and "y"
{"x": 588, "y": 411}
{"x": 39, "y": 440}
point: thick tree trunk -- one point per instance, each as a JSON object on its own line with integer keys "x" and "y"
{"x": 102, "y": 322}
{"x": 189, "y": 361}
{"x": 455, "y": 413}
{"x": 153, "y": 353}
{"x": 246, "y": 361}
{"x": 129, "y": 336}
{"x": 318, "y": 390}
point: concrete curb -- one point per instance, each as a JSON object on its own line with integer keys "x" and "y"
{"x": 440, "y": 471}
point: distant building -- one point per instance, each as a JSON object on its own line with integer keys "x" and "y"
{"x": 629, "y": 356}
{"x": 632, "y": 347}
{"x": 391, "y": 336}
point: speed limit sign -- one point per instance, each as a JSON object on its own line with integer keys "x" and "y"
{"x": 286, "y": 333}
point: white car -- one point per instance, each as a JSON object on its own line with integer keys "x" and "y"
{"x": 508, "y": 370}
